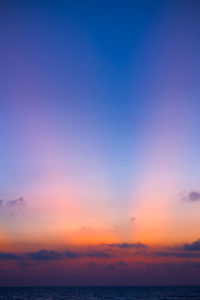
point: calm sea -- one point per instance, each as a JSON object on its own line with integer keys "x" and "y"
{"x": 94, "y": 293}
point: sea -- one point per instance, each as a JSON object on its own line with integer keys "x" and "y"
{"x": 101, "y": 293}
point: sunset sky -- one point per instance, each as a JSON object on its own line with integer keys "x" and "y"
{"x": 100, "y": 142}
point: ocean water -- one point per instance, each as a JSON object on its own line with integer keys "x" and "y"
{"x": 100, "y": 293}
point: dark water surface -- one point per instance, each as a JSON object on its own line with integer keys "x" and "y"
{"x": 96, "y": 293}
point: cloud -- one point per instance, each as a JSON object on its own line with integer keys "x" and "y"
{"x": 45, "y": 255}
{"x": 12, "y": 207}
{"x": 91, "y": 253}
{"x": 137, "y": 246}
{"x": 195, "y": 246}
{"x": 132, "y": 220}
{"x": 110, "y": 267}
{"x": 100, "y": 254}
{"x": 22, "y": 264}
{"x": 16, "y": 203}
{"x": 178, "y": 254}
{"x": 193, "y": 196}
{"x": 52, "y": 254}
{"x": 9, "y": 256}
{"x": 19, "y": 202}
{"x": 188, "y": 250}
{"x": 72, "y": 254}
{"x": 92, "y": 265}
{"x": 122, "y": 264}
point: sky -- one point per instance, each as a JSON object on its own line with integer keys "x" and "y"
{"x": 100, "y": 143}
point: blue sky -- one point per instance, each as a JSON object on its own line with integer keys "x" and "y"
{"x": 99, "y": 120}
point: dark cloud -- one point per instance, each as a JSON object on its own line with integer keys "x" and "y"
{"x": 195, "y": 246}
{"x": 193, "y": 196}
{"x": 137, "y": 246}
{"x": 91, "y": 253}
{"x": 178, "y": 254}
{"x": 109, "y": 267}
{"x": 22, "y": 264}
{"x": 52, "y": 254}
{"x": 9, "y": 256}
{"x": 183, "y": 251}
{"x": 100, "y": 254}
{"x": 122, "y": 264}
{"x": 92, "y": 265}
{"x": 45, "y": 255}
{"x": 188, "y": 250}
{"x": 72, "y": 254}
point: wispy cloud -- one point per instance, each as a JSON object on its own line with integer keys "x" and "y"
{"x": 192, "y": 196}
{"x": 137, "y": 246}
{"x": 12, "y": 207}
{"x": 19, "y": 202}
{"x": 16, "y": 203}
{"x": 100, "y": 254}
{"x": 177, "y": 254}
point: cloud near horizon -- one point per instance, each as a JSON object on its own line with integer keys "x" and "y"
{"x": 188, "y": 250}
{"x": 45, "y": 254}
{"x": 137, "y": 246}
{"x": 9, "y": 256}
{"x": 195, "y": 246}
